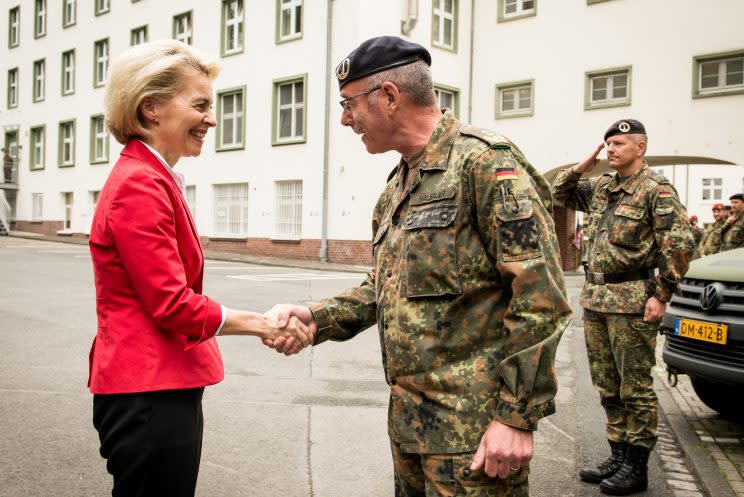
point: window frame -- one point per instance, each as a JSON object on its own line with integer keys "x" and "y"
{"x": 190, "y": 15}
{"x": 66, "y": 23}
{"x": 698, "y": 60}
{"x": 278, "y": 38}
{"x": 450, "y": 89}
{"x": 711, "y": 189}
{"x": 15, "y": 86}
{"x": 16, "y": 29}
{"x": 94, "y": 159}
{"x": 243, "y": 233}
{"x": 33, "y": 164}
{"x": 219, "y": 147}
{"x": 276, "y": 84}
{"x": 240, "y": 25}
{"x": 63, "y": 89}
{"x": 455, "y": 26}
{"x": 106, "y": 59}
{"x": 61, "y": 144}
{"x": 42, "y": 13}
{"x": 98, "y": 11}
{"x": 190, "y": 199}
{"x": 134, "y": 31}
{"x": 295, "y": 236}
{"x": 589, "y": 75}
{"x": 41, "y": 95}
{"x": 34, "y": 217}
{"x": 503, "y": 17}
{"x": 512, "y": 85}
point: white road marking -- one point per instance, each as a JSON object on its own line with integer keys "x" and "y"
{"x": 295, "y": 276}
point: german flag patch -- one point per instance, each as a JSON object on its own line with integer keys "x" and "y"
{"x": 665, "y": 195}
{"x": 504, "y": 173}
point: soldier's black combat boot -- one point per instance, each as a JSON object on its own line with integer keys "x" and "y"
{"x": 632, "y": 476}
{"x": 607, "y": 468}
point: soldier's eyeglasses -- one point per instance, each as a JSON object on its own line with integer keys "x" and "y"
{"x": 345, "y": 102}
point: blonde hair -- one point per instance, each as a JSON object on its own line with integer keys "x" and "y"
{"x": 150, "y": 70}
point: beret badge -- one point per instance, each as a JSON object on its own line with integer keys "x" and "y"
{"x": 342, "y": 71}
{"x": 624, "y": 127}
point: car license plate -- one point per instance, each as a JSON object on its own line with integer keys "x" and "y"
{"x": 701, "y": 330}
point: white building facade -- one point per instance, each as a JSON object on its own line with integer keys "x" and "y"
{"x": 280, "y": 175}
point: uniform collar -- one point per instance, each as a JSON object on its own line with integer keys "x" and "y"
{"x": 631, "y": 184}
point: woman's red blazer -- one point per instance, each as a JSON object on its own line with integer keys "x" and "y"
{"x": 155, "y": 328}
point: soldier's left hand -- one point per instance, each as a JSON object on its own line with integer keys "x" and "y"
{"x": 654, "y": 310}
{"x": 503, "y": 450}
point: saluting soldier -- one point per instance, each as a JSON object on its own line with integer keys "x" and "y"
{"x": 710, "y": 243}
{"x": 467, "y": 289}
{"x": 640, "y": 247}
{"x": 731, "y": 234}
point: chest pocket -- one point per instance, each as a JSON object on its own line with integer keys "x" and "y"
{"x": 628, "y": 229}
{"x": 430, "y": 255}
{"x": 518, "y": 236}
{"x": 596, "y": 211}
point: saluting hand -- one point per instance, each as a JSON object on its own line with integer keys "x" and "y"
{"x": 589, "y": 163}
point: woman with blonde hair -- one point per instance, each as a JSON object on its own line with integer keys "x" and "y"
{"x": 155, "y": 351}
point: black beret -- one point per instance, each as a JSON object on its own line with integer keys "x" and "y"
{"x": 379, "y": 54}
{"x": 625, "y": 127}
{"x": 737, "y": 196}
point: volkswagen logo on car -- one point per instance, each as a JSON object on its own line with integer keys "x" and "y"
{"x": 711, "y": 297}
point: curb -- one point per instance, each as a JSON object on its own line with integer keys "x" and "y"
{"x": 706, "y": 470}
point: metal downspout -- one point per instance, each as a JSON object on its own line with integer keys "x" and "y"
{"x": 323, "y": 253}
{"x": 470, "y": 62}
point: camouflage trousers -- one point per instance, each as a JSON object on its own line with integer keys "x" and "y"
{"x": 443, "y": 475}
{"x": 621, "y": 350}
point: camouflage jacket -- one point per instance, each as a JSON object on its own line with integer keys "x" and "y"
{"x": 636, "y": 224}
{"x": 711, "y": 241}
{"x": 731, "y": 236}
{"x": 467, "y": 293}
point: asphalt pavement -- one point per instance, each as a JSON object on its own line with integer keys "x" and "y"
{"x": 308, "y": 425}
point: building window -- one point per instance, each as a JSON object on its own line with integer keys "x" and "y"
{"x": 12, "y": 99}
{"x": 190, "y": 195}
{"x": 138, "y": 36}
{"x": 14, "y": 27}
{"x": 230, "y": 122}
{"x": 67, "y": 200}
{"x": 94, "y": 195}
{"x": 101, "y": 62}
{"x": 289, "y": 110}
{"x": 38, "y": 139}
{"x": 39, "y": 18}
{"x": 289, "y": 20}
{"x": 66, "y": 144}
{"x": 444, "y": 24}
{"x": 69, "y": 13}
{"x": 448, "y": 98}
{"x": 607, "y": 88}
{"x": 516, "y": 9}
{"x": 39, "y": 80}
{"x": 182, "y": 28}
{"x": 718, "y": 74}
{"x": 99, "y": 140}
{"x": 232, "y": 27}
{"x": 712, "y": 188}
{"x": 102, "y": 6}
{"x": 231, "y": 210}
{"x": 288, "y": 210}
{"x": 68, "y": 72}
{"x": 514, "y": 99}
{"x": 37, "y": 207}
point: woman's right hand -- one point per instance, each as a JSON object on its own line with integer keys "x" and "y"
{"x": 294, "y": 329}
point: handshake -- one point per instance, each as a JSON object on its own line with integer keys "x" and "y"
{"x": 286, "y": 328}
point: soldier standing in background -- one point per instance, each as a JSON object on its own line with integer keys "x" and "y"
{"x": 731, "y": 234}
{"x": 637, "y": 226}
{"x": 710, "y": 244}
{"x": 467, "y": 289}
{"x": 697, "y": 231}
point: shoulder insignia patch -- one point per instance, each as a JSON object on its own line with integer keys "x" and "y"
{"x": 504, "y": 173}
{"x": 659, "y": 178}
{"x": 665, "y": 195}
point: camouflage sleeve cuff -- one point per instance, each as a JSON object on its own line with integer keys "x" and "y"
{"x": 662, "y": 293}
{"x": 323, "y": 321}
{"x": 520, "y": 416}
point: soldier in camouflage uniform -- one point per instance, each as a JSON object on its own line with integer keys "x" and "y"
{"x": 709, "y": 244}
{"x": 467, "y": 290}
{"x": 731, "y": 234}
{"x": 637, "y": 226}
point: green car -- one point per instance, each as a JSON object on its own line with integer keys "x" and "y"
{"x": 704, "y": 328}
